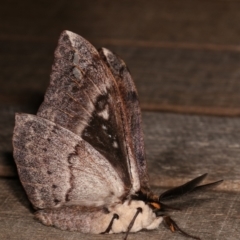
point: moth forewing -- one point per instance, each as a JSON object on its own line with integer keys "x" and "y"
{"x": 129, "y": 96}
{"x": 90, "y": 104}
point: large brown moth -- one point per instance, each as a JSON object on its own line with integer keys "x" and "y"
{"x": 81, "y": 159}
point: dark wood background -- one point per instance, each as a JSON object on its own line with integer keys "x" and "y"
{"x": 185, "y": 59}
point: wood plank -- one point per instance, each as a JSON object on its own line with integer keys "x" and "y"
{"x": 168, "y": 21}
{"x": 179, "y": 148}
{"x": 201, "y": 215}
{"x": 183, "y": 56}
{"x": 187, "y": 146}
{"x": 176, "y": 80}
{"x": 185, "y": 80}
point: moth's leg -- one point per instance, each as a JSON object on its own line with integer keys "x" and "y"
{"x": 139, "y": 210}
{"x": 115, "y": 216}
{"x": 187, "y": 187}
{"x": 174, "y": 227}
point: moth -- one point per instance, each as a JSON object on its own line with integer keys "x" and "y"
{"x": 81, "y": 158}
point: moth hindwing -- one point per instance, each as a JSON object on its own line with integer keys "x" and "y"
{"x": 81, "y": 159}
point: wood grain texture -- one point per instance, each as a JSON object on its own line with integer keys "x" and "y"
{"x": 189, "y": 21}
{"x": 179, "y": 148}
{"x": 183, "y": 145}
{"x": 183, "y": 56}
{"x": 201, "y": 216}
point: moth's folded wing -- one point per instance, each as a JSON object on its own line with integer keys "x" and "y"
{"x": 83, "y": 97}
{"x": 130, "y": 101}
{"x": 57, "y": 167}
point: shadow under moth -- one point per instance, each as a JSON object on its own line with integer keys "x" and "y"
{"x": 81, "y": 159}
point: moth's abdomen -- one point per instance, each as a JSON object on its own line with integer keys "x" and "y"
{"x": 97, "y": 220}
{"x": 76, "y": 218}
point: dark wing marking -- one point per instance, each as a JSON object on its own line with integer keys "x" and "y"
{"x": 84, "y": 98}
{"x": 57, "y": 167}
{"x": 129, "y": 97}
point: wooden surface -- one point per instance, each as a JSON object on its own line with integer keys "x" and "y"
{"x": 179, "y": 148}
{"x": 184, "y": 56}
{"x": 185, "y": 59}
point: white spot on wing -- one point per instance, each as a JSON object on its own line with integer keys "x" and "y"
{"x": 77, "y": 73}
{"x": 106, "y": 52}
{"x": 72, "y": 36}
{"x": 115, "y": 145}
{"x": 104, "y": 113}
{"x": 76, "y": 58}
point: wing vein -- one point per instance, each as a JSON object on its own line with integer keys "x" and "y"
{"x": 70, "y": 115}
{"x": 96, "y": 87}
{"x": 75, "y": 100}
